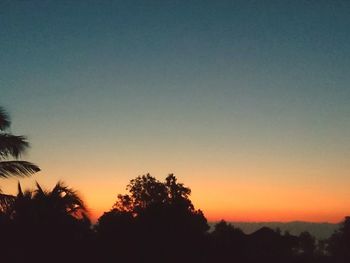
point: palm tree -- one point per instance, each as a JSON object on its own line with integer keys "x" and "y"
{"x": 11, "y": 148}
{"x": 46, "y": 205}
{"x": 52, "y": 221}
{"x": 60, "y": 201}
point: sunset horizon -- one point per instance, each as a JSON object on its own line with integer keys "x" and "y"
{"x": 212, "y": 209}
{"x": 175, "y": 131}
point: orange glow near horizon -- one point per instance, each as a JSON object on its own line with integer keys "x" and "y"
{"x": 232, "y": 198}
{"x": 251, "y": 203}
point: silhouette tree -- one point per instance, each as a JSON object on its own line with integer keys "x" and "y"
{"x": 12, "y": 146}
{"x": 339, "y": 243}
{"x": 268, "y": 245}
{"x": 53, "y": 220}
{"x": 154, "y": 218}
{"x": 61, "y": 201}
{"x": 6, "y": 202}
{"x": 228, "y": 243}
{"x": 307, "y": 244}
{"x": 168, "y": 201}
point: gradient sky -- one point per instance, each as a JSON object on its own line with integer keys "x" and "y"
{"x": 247, "y": 102}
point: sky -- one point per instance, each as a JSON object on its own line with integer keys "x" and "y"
{"x": 246, "y": 102}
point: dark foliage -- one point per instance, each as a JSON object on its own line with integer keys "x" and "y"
{"x": 51, "y": 225}
{"x": 154, "y": 222}
{"x": 339, "y": 243}
{"x": 156, "y": 219}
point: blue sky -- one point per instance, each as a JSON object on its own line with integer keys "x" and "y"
{"x": 233, "y": 91}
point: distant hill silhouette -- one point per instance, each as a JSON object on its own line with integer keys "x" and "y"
{"x": 319, "y": 230}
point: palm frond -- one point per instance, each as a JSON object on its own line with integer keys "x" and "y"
{"x": 59, "y": 188}
{"x": 74, "y": 203}
{"x": 20, "y": 192}
{"x": 69, "y": 198}
{"x": 39, "y": 192}
{"x": 39, "y": 188}
{"x": 12, "y": 145}
{"x": 17, "y": 168}
{"x": 5, "y": 121}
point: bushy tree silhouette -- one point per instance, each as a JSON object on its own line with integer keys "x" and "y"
{"x": 158, "y": 218}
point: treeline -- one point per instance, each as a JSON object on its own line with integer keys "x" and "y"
{"x": 154, "y": 222}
